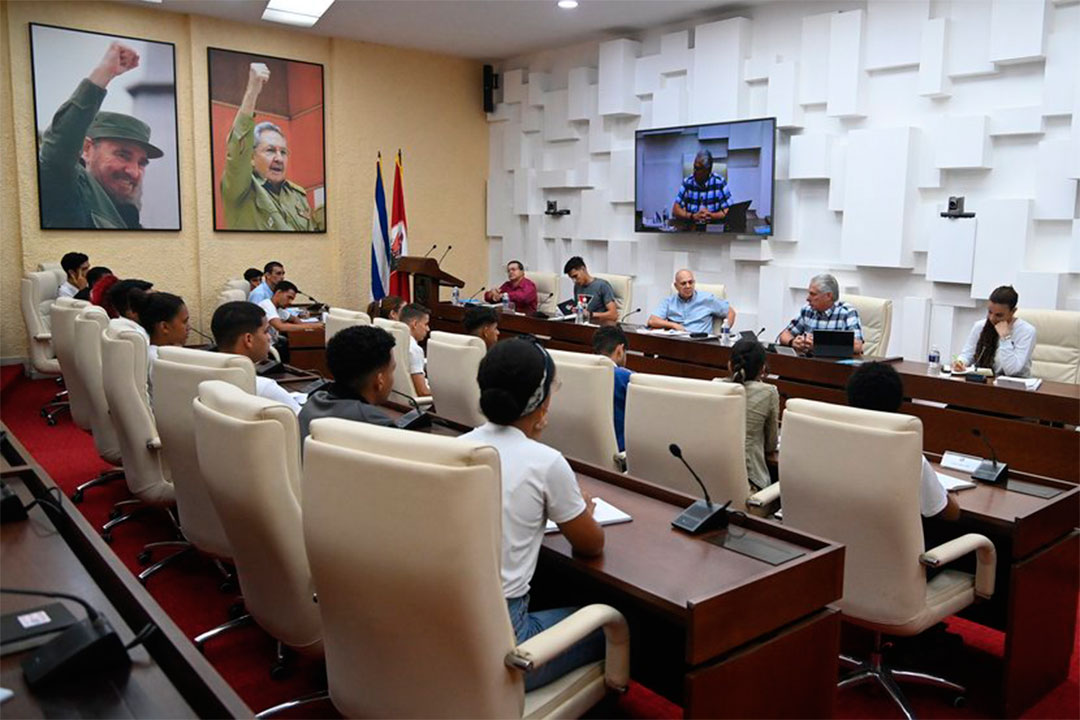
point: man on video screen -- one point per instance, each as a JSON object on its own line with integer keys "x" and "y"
{"x": 703, "y": 197}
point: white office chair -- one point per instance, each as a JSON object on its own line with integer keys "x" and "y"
{"x": 402, "y": 380}
{"x": 453, "y": 361}
{"x": 56, "y": 269}
{"x": 337, "y": 319}
{"x": 38, "y": 291}
{"x": 547, "y": 291}
{"x": 1057, "y": 344}
{"x": 62, "y": 321}
{"x": 581, "y": 422}
{"x": 867, "y": 497}
{"x": 391, "y": 586}
{"x": 718, "y": 290}
{"x": 230, "y": 295}
{"x": 238, "y": 284}
{"x": 249, "y": 453}
{"x": 623, "y": 285}
{"x": 875, "y": 317}
{"x": 708, "y": 422}
{"x": 90, "y": 323}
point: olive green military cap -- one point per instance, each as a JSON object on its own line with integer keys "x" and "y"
{"x": 118, "y": 126}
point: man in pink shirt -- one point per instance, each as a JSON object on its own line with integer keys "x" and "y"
{"x": 520, "y": 289}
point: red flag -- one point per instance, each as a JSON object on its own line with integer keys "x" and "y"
{"x": 399, "y": 245}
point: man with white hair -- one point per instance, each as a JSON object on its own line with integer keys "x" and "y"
{"x": 823, "y": 311}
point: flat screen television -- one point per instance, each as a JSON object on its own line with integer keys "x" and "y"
{"x": 743, "y": 157}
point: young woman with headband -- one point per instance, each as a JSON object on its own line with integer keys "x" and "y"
{"x": 517, "y": 379}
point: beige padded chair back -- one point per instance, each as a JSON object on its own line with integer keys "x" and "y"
{"x": 581, "y": 422}
{"x": 339, "y": 318}
{"x": 62, "y": 319}
{"x": 177, "y": 374}
{"x": 89, "y": 325}
{"x": 57, "y": 270}
{"x": 38, "y": 290}
{"x": 719, "y": 290}
{"x": 453, "y": 361}
{"x": 706, "y": 419}
{"x": 853, "y": 476}
{"x": 875, "y": 316}
{"x": 1057, "y": 344}
{"x": 238, "y": 284}
{"x": 249, "y": 454}
{"x": 123, "y": 362}
{"x": 230, "y": 295}
{"x": 415, "y": 625}
{"x": 547, "y": 286}
{"x": 401, "y": 335}
{"x": 623, "y": 285}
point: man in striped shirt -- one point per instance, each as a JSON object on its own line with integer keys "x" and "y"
{"x": 823, "y": 311}
{"x": 703, "y": 197}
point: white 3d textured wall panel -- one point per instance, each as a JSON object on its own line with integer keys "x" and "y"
{"x": 963, "y": 142}
{"x": 810, "y": 156}
{"x": 814, "y": 78}
{"x": 933, "y": 80}
{"x": 1000, "y": 240}
{"x": 952, "y": 251}
{"x": 717, "y": 92}
{"x": 847, "y": 76}
{"x": 1017, "y": 31}
{"x": 616, "y": 78}
{"x": 893, "y": 32}
{"x": 1055, "y": 191}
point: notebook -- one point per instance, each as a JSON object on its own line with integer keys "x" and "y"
{"x": 954, "y": 483}
{"x": 604, "y": 513}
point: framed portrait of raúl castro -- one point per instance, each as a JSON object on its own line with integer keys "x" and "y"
{"x": 105, "y": 118}
{"x": 267, "y": 143}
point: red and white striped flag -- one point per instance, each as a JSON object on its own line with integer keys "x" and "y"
{"x": 399, "y": 236}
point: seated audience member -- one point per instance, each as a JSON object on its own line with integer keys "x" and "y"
{"x": 417, "y": 316}
{"x": 517, "y": 378}
{"x": 389, "y": 308}
{"x": 164, "y": 317}
{"x": 254, "y": 277}
{"x": 75, "y": 265}
{"x": 520, "y": 289}
{"x": 275, "y": 308}
{"x": 1003, "y": 341}
{"x": 99, "y": 294}
{"x": 361, "y": 358}
{"x": 823, "y": 311}
{"x": 92, "y": 276}
{"x": 599, "y": 295}
{"x": 123, "y": 301}
{"x": 483, "y": 323}
{"x": 877, "y": 386}
{"x": 610, "y": 341}
{"x": 241, "y": 328}
{"x": 762, "y": 409}
{"x": 273, "y": 273}
{"x": 690, "y": 309}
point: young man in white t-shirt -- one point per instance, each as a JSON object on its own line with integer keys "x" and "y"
{"x": 877, "y": 386}
{"x": 417, "y": 317}
{"x": 241, "y": 328}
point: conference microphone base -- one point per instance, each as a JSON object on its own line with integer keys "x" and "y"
{"x": 700, "y": 517}
{"x": 414, "y": 420}
{"x": 88, "y": 646}
{"x": 991, "y": 474}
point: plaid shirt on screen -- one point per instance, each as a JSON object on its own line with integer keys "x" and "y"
{"x": 713, "y": 197}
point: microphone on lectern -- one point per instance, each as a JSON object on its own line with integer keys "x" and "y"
{"x": 429, "y": 250}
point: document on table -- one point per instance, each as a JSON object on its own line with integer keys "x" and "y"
{"x": 604, "y": 513}
{"x": 952, "y": 483}
{"x": 1029, "y": 384}
{"x": 663, "y": 331}
{"x": 961, "y": 462}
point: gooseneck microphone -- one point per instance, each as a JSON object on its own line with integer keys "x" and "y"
{"x": 445, "y": 253}
{"x": 482, "y": 289}
{"x": 989, "y": 471}
{"x": 703, "y": 514}
{"x": 415, "y": 419}
{"x": 430, "y": 249}
{"x": 757, "y": 336}
{"x": 203, "y": 335}
{"x": 635, "y": 311}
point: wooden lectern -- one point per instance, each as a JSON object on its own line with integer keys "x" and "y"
{"x": 427, "y": 278}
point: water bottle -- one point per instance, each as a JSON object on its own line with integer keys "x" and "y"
{"x": 505, "y": 302}
{"x": 455, "y": 296}
{"x": 579, "y": 313}
{"x": 935, "y": 361}
{"x": 725, "y": 334}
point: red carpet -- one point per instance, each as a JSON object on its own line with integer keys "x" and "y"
{"x": 189, "y": 592}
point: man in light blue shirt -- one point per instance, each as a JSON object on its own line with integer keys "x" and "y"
{"x": 273, "y": 273}
{"x": 689, "y": 310}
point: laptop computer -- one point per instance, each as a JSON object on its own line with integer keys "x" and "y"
{"x": 834, "y": 343}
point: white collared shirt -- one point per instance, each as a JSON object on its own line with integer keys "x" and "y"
{"x": 66, "y": 289}
{"x": 537, "y": 484}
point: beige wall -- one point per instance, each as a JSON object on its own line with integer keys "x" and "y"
{"x": 378, "y": 98}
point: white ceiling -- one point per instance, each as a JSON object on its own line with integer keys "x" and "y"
{"x": 480, "y": 29}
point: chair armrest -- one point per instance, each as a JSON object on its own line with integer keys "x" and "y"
{"x": 425, "y": 401}
{"x": 544, "y": 647}
{"x": 985, "y": 559}
{"x": 765, "y": 496}
{"x": 43, "y": 336}
{"x": 620, "y": 460}
{"x": 153, "y": 443}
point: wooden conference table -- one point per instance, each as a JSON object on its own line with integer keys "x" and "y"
{"x": 168, "y": 678}
{"x": 1027, "y": 429}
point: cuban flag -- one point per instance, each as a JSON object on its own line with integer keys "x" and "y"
{"x": 399, "y": 241}
{"x": 380, "y": 239}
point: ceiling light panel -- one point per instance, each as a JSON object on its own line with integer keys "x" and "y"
{"x": 302, "y": 13}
